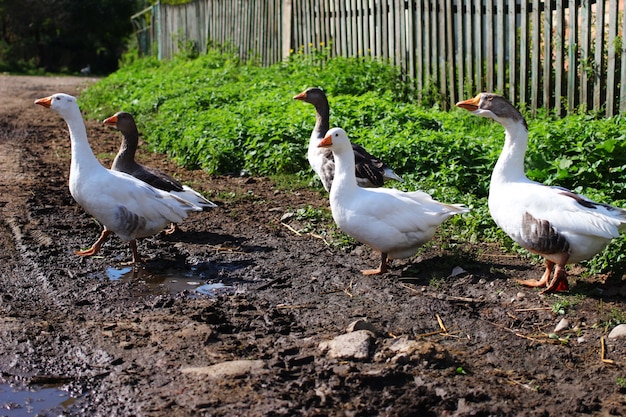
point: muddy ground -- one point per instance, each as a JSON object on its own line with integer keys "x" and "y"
{"x": 435, "y": 342}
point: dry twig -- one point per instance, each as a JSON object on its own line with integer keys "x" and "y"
{"x": 603, "y": 353}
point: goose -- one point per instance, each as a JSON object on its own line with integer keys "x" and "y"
{"x": 370, "y": 171}
{"x": 125, "y": 162}
{"x": 393, "y": 222}
{"x": 559, "y": 225}
{"x": 126, "y": 206}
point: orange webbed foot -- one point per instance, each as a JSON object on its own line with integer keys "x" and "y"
{"x": 87, "y": 252}
{"x": 171, "y": 230}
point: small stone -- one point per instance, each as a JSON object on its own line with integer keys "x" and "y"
{"x": 287, "y": 216}
{"x": 355, "y": 345}
{"x": 520, "y": 296}
{"x": 562, "y": 325}
{"x": 230, "y": 369}
{"x": 361, "y": 324}
{"x": 581, "y": 339}
{"x": 618, "y": 331}
{"x": 457, "y": 270}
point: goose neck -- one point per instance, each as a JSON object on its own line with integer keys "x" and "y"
{"x": 510, "y": 165}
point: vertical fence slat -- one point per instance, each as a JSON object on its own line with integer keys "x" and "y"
{"x": 547, "y": 54}
{"x": 558, "y": 52}
{"x": 523, "y": 54}
{"x": 572, "y": 52}
{"x": 434, "y": 37}
{"x": 598, "y": 60}
{"x": 410, "y": 40}
{"x": 585, "y": 52}
{"x": 449, "y": 36}
{"x": 478, "y": 44}
{"x": 469, "y": 33}
{"x": 460, "y": 53}
{"x": 441, "y": 52}
{"x": 421, "y": 64}
{"x": 622, "y": 92}
{"x": 536, "y": 54}
{"x": 501, "y": 36}
{"x": 610, "y": 63}
{"x": 489, "y": 39}
{"x": 512, "y": 49}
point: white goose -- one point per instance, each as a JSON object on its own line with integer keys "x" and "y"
{"x": 393, "y": 222}
{"x": 561, "y": 226}
{"x": 126, "y": 206}
{"x": 370, "y": 171}
{"x": 125, "y": 162}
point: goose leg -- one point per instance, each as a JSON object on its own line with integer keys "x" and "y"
{"x": 559, "y": 282}
{"x": 133, "y": 248}
{"x": 172, "y": 229}
{"x": 381, "y": 269}
{"x": 95, "y": 248}
{"x": 544, "y": 278}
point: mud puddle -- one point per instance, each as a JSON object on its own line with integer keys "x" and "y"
{"x": 171, "y": 281}
{"x": 33, "y": 401}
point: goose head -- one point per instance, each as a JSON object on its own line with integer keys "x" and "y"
{"x": 313, "y": 95}
{"x": 63, "y": 104}
{"x": 123, "y": 122}
{"x": 493, "y": 106}
{"x": 336, "y": 140}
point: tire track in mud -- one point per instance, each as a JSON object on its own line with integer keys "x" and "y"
{"x": 20, "y": 237}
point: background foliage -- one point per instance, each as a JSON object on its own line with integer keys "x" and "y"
{"x": 225, "y": 116}
{"x": 64, "y": 36}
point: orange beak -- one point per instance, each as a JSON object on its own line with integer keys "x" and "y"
{"x": 46, "y": 102}
{"x": 326, "y": 142}
{"x": 300, "y": 96}
{"x": 111, "y": 121}
{"x": 470, "y": 104}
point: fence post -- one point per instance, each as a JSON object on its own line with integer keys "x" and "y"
{"x": 286, "y": 28}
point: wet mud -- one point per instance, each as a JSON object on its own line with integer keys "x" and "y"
{"x": 244, "y": 312}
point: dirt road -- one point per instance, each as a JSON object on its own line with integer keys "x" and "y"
{"x": 258, "y": 322}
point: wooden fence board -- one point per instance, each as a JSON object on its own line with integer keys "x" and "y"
{"x": 559, "y": 51}
{"x": 501, "y": 35}
{"x": 511, "y": 49}
{"x": 467, "y": 51}
{"x": 611, "y": 64}
{"x": 547, "y": 54}
{"x": 489, "y": 39}
{"x": 459, "y": 53}
{"x": 622, "y": 94}
{"x": 572, "y": 54}
{"x": 523, "y": 57}
{"x": 598, "y": 61}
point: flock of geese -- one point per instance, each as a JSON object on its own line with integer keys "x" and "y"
{"x": 134, "y": 201}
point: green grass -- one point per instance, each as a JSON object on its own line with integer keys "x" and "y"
{"x": 216, "y": 113}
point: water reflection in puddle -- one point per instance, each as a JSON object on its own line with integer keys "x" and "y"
{"x": 33, "y": 401}
{"x": 171, "y": 281}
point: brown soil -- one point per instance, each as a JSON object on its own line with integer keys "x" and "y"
{"x": 475, "y": 344}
